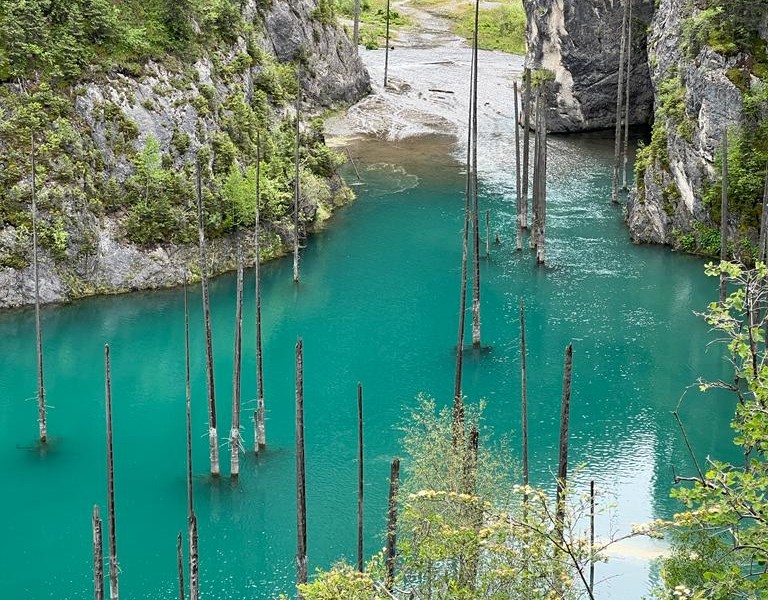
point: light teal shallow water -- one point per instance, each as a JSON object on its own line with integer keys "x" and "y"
{"x": 377, "y": 303}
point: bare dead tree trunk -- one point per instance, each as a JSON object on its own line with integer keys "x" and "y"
{"x": 356, "y": 26}
{"x": 469, "y": 575}
{"x": 297, "y": 181}
{"x": 301, "y": 483}
{"x": 180, "y": 564}
{"x": 536, "y": 166}
{"x": 41, "y": 417}
{"x": 524, "y": 393}
{"x": 213, "y": 436}
{"x": 487, "y": 233}
{"x": 541, "y": 184}
{"x": 625, "y": 153}
{"x": 592, "y": 537}
{"x": 386, "y": 49}
{"x": 763, "y": 251}
{"x": 234, "y": 435}
{"x": 260, "y": 433}
{"x": 562, "y": 469}
{"x": 526, "y": 146}
{"x": 475, "y": 194}
{"x": 724, "y": 219}
{"x": 458, "y": 396}
{"x": 360, "y": 477}
{"x": 113, "y": 583}
{"x": 519, "y": 202}
{"x": 194, "y": 560}
{"x": 191, "y": 521}
{"x": 391, "y": 549}
{"x": 619, "y": 104}
{"x": 98, "y": 555}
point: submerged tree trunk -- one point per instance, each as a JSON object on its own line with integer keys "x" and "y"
{"x": 297, "y": 181}
{"x": 41, "y": 417}
{"x": 234, "y": 435}
{"x": 113, "y": 582}
{"x": 541, "y": 186}
{"x": 180, "y": 564}
{"x": 213, "y": 437}
{"x": 98, "y": 555}
{"x": 526, "y": 147}
{"x": 301, "y": 484}
{"x": 260, "y": 432}
{"x": 524, "y": 394}
{"x": 619, "y": 104}
{"x": 724, "y": 219}
{"x": 519, "y": 201}
{"x": 562, "y": 469}
{"x": 625, "y": 152}
{"x": 391, "y": 549}
{"x": 475, "y": 194}
{"x": 191, "y": 522}
{"x": 360, "y": 475}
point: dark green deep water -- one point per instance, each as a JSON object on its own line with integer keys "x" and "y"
{"x": 377, "y": 303}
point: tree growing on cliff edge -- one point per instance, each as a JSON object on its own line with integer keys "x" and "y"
{"x": 720, "y": 545}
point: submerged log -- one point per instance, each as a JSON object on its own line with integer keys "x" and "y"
{"x": 213, "y": 436}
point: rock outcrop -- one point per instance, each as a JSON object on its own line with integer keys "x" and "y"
{"x": 696, "y": 101}
{"x": 184, "y": 107}
{"x": 579, "y": 42}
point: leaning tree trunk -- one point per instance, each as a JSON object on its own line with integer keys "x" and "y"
{"x": 41, "y": 417}
{"x": 475, "y": 194}
{"x": 619, "y": 104}
{"x": 113, "y": 570}
{"x": 213, "y": 436}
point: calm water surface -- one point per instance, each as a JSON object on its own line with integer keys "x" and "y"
{"x": 377, "y": 303}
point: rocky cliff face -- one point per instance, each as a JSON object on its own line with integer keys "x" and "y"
{"x": 184, "y": 106}
{"x": 580, "y": 43}
{"x": 699, "y": 94}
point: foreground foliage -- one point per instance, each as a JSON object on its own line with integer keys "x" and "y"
{"x": 720, "y": 548}
{"x": 466, "y": 532}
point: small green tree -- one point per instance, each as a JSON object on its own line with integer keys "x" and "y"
{"x": 721, "y": 539}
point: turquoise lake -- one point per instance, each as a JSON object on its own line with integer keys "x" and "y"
{"x": 377, "y": 303}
